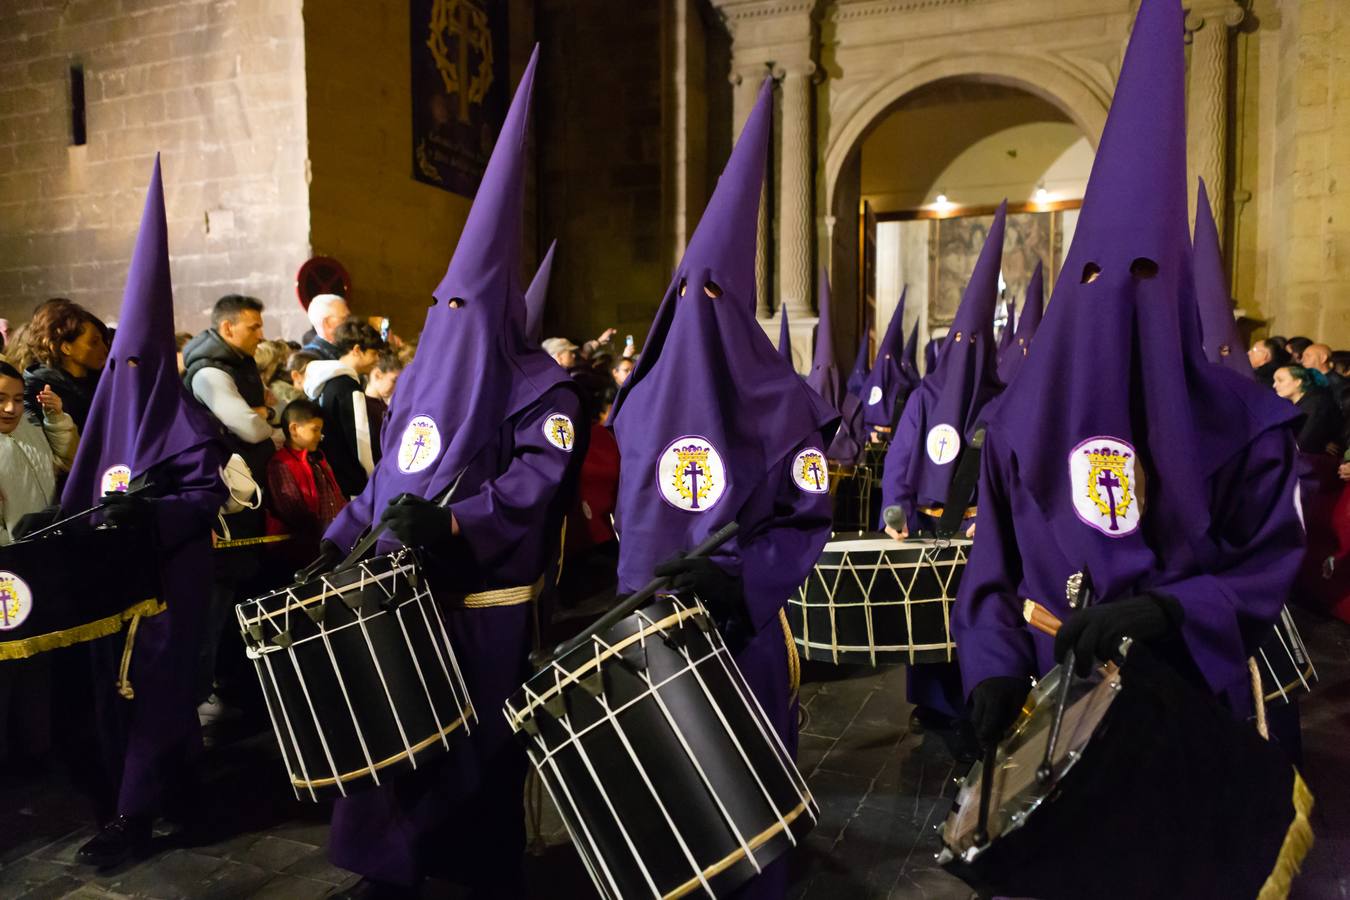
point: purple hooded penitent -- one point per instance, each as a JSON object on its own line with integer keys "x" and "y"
{"x": 1010, "y": 360}
{"x": 1218, "y": 331}
{"x": 889, "y": 378}
{"x": 785, "y": 338}
{"x": 857, "y": 376}
{"x": 1120, "y": 449}
{"x": 942, "y": 413}
{"x": 141, "y": 414}
{"x": 474, "y": 368}
{"x": 824, "y": 375}
{"x": 535, "y": 297}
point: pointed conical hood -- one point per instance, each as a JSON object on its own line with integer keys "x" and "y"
{"x": 535, "y": 296}
{"x": 1010, "y": 361}
{"x": 931, "y": 351}
{"x": 474, "y": 369}
{"x": 785, "y": 338}
{"x": 1219, "y": 332}
{"x": 885, "y": 386}
{"x": 1005, "y": 337}
{"x": 951, "y": 399}
{"x": 1127, "y": 375}
{"x": 824, "y": 376}
{"x": 909, "y": 360}
{"x": 857, "y": 376}
{"x": 141, "y": 414}
{"x": 709, "y": 389}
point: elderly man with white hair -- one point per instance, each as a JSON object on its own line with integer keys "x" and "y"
{"x": 326, "y": 312}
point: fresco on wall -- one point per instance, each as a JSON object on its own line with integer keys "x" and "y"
{"x": 955, "y": 245}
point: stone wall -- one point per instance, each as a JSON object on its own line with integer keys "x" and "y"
{"x": 217, "y": 88}
{"x": 1307, "y": 289}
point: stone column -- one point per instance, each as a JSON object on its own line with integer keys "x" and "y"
{"x": 746, "y": 84}
{"x": 796, "y": 189}
{"x": 1207, "y": 25}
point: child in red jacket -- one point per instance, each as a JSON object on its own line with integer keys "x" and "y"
{"x": 302, "y": 493}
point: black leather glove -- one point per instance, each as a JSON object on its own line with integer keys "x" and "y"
{"x": 994, "y": 706}
{"x": 719, "y": 591}
{"x": 35, "y": 521}
{"x": 1095, "y": 633}
{"x": 418, "y": 522}
{"x": 330, "y": 554}
{"x": 126, "y": 510}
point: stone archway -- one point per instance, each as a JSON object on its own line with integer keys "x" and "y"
{"x": 1084, "y": 101}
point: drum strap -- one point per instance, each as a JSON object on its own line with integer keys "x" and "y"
{"x": 512, "y": 596}
{"x": 793, "y": 660}
{"x": 936, "y": 511}
{"x": 53, "y": 640}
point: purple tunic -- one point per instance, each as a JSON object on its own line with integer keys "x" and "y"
{"x": 1125, "y": 453}
{"x": 461, "y": 815}
{"x": 152, "y": 738}
{"x": 1254, "y": 548}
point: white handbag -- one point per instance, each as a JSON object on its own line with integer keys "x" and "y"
{"x": 244, "y": 490}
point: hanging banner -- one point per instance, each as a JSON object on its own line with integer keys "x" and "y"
{"x": 459, "y": 89}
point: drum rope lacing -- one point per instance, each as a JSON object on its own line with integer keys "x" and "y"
{"x": 603, "y": 650}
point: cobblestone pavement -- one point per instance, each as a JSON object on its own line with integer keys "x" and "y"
{"x": 883, "y": 791}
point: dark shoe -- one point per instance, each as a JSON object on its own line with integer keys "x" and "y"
{"x": 370, "y": 889}
{"x": 116, "y": 842}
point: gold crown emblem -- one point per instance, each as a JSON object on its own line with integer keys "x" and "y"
{"x": 1107, "y": 458}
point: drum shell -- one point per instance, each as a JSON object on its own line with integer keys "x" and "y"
{"x": 1285, "y": 666}
{"x": 370, "y": 689}
{"x": 684, "y": 770}
{"x": 1172, "y": 797}
{"x": 874, "y": 600}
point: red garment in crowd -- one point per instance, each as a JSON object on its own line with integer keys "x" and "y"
{"x": 302, "y": 500}
{"x": 597, "y": 491}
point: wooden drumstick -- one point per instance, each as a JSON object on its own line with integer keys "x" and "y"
{"x": 1040, "y": 618}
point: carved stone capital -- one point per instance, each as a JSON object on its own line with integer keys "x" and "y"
{"x": 1215, "y": 13}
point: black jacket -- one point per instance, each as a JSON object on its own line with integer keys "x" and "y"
{"x": 77, "y": 394}
{"x": 344, "y": 434}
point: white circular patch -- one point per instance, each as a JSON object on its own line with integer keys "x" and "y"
{"x": 943, "y": 444}
{"x": 690, "y": 474}
{"x": 1106, "y": 488}
{"x": 420, "y": 445}
{"x": 810, "y": 472}
{"x": 16, "y": 601}
{"x": 559, "y": 432}
{"x": 874, "y": 396}
{"x": 116, "y": 480}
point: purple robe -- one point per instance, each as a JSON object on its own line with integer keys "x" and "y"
{"x": 142, "y": 427}
{"x": 1125, "y": 453}
{"x": 714, "y": 427}
{"x": 462, "y": 815}
{"x": 151, "y": 740}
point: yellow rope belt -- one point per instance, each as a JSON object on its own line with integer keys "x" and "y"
{"x": 222, "y": 544}
{"x": 52, "y": 640}
{"x": 1298, "y": 840}
{"x": 793, "y": 660}
{"x": 512, "y": 596}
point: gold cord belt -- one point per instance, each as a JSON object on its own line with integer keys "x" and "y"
{"x": 512, "y": 596}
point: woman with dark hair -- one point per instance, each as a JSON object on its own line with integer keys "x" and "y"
{"x": 70, "y": 345}
{"x": 1320, "y": 426}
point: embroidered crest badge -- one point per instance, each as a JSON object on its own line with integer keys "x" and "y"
{"x": 944, "y": 443}
{"x": 16, "y": 601}
{"x": 559, "y": 432}
{"x": 1107, "y": 489}
{"x": 690, "y": 474}
{"x": 116, "y": 480}
{"x": 874, "y": 396}
{"x": 420, "y": 445}
{"x": 810, "y": 472}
